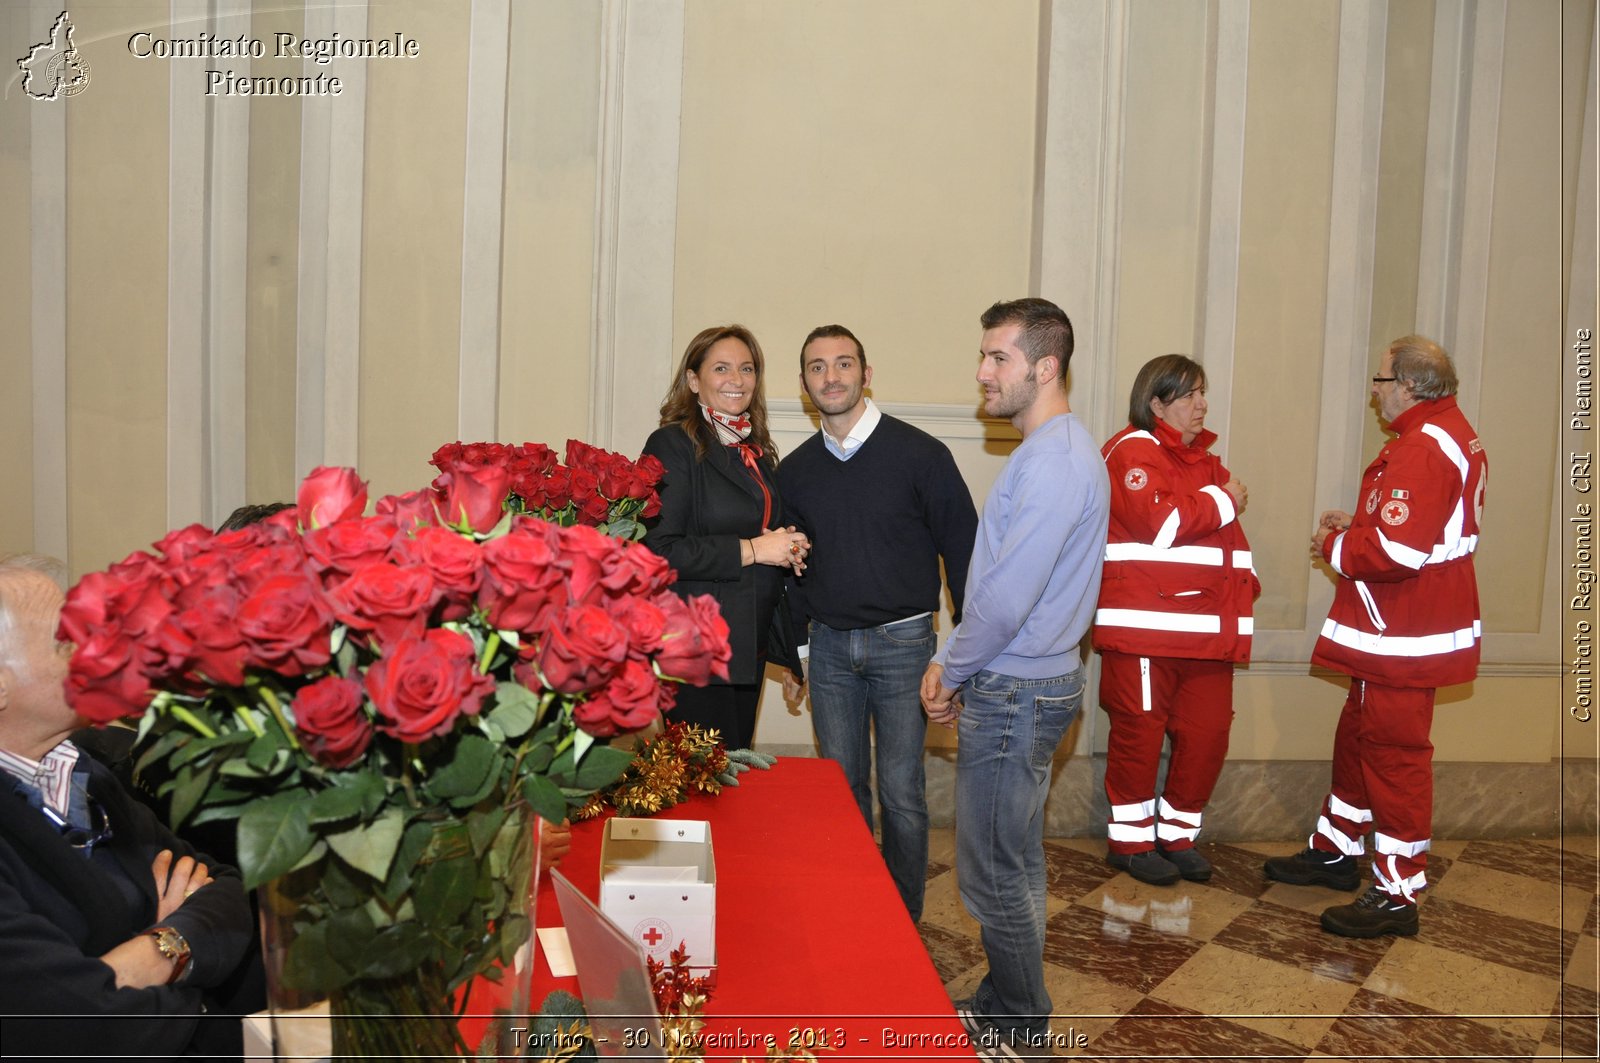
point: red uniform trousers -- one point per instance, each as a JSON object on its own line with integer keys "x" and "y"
{"x": 1149, "y": 699}
{"x": 1382, "y": 777}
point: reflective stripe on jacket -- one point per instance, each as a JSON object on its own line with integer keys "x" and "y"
{"x": 1406, "y": 609}
{"x": 1179, "y": 580}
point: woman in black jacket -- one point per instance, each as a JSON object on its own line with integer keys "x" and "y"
{"x": 719, "y": 508}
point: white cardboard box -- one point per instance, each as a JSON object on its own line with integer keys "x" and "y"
{"x": 658, "y": 882}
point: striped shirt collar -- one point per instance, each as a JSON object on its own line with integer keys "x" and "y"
{"x": 51, "y": 775}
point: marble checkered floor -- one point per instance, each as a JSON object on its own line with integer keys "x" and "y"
{"x": 1504, "y": 966}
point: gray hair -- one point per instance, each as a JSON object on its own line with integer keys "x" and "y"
{"x": 1424, "y": 366}
{"x": 13, "y": 567}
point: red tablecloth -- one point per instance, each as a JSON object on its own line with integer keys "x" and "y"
{"x": 811, "y": 934}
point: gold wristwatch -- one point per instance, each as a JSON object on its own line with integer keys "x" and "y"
{"x": 172, "y": 945}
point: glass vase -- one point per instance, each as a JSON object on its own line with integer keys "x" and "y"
{"x": 434, "y": 962}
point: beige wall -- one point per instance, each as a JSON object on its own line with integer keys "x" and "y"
{"x": 863, "y": 163}
{"x": 668, "y": 165}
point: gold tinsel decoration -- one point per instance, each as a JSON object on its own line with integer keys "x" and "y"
{"x": 682, "y": 759}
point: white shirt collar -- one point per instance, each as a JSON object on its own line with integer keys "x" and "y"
{"x": 844, "y": 449}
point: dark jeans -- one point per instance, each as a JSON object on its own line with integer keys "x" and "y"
{"x": 867, "y": 680}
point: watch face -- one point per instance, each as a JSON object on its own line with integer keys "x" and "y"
{"x": 170, "y": 942}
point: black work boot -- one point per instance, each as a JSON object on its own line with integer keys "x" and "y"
{"x": 1373, "y": 914}
{"x": 1314, "y": 867}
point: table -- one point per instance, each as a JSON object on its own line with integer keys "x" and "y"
{"x": 811, "y": 933}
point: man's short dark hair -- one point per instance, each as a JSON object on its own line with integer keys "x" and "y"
{"x": 1046, "y": 329}
{"x": 245, "y": 516}
{"x": 825, "y": 332}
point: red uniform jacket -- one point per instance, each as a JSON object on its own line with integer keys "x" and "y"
{"x": 1406, "y": 610}
{"x": 1178, "y": 579}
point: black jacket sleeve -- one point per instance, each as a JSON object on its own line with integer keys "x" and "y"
{"x": 678, "y": 533}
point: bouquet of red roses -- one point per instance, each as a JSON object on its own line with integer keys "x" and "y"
{"x": 595, "y": 487}
{"x": 381, "y": 701}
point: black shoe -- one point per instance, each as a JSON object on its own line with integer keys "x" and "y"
{"x": 1373, "y": 914}
{"x": 1190, "y": 864}
{"x": 1148, "y": 867}
{"x": 1314, "y": 867}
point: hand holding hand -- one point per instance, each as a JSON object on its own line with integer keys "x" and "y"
{"x": 1331, "y": 522}
{"x": 782, "y": 548}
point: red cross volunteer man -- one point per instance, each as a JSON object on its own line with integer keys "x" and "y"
{"x": 1404, "y": 622}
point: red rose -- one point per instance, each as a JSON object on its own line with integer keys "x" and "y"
{"x": 628, "y": 702}
{"x": 557, "y": 489}
{"x": 456, "y": 562}
{"x": 694, "y": 646}
{"x": 586, "y": 494}
{"x": 522, "y": 582}
{"x": 330, "y": 495}
{"x": 287, "y": 625}
{"x": 392, "y": 601}
{"x": 90, "y": 606}
{"x": 335, "y": 552}
{"x": 328, "y": 717}
{"x": 485, "y": 453}
{"x": 178, "y": 546}
{"x": 649, "y": 471}
{"x": 594, "y": 564}
{"x": 249, "y": 569}
{"x": 447, "y": 455}
{"x": 648, "y": 571}
{"x": 103, "y": 683}
{"x": 166, "y": 653}
{"x": 537, "y": 457}
{"x": 421, "y": 685}
{"x": 644, "y": 622}
{"x": 582, "y": 649}
{"x": 410, "y": 510}
{"x": 473, "y": 495}
{"x": 212, "y": 621}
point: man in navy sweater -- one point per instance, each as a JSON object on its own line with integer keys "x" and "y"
{"x": 881, "y": 502}
{"x": 1010, "y": 672}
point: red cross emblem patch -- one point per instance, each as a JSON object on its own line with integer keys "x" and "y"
{"x": 1136, "y": 479}
{"x": 1372, "y": 500}
{"x": 1395, "y": 512}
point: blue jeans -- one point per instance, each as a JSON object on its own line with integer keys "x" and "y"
{"x": 1008, "y": 733}
{"x": 866, "y": 680}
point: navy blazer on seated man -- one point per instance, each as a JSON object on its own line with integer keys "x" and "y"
{"x": 60, "y": 911}
{"x": 80, "y": 977}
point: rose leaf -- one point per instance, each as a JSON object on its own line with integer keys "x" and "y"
{"x": 274, "y": 833}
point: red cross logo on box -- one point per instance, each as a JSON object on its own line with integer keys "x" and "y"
{"x": 654, "y": 934}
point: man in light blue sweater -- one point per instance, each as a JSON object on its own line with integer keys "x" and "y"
{"x": 1010, "y": 676}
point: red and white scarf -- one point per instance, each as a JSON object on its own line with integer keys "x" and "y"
{"x": 732, "y": 432}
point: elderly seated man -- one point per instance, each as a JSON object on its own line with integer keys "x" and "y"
{"x": 103, "y": 911}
